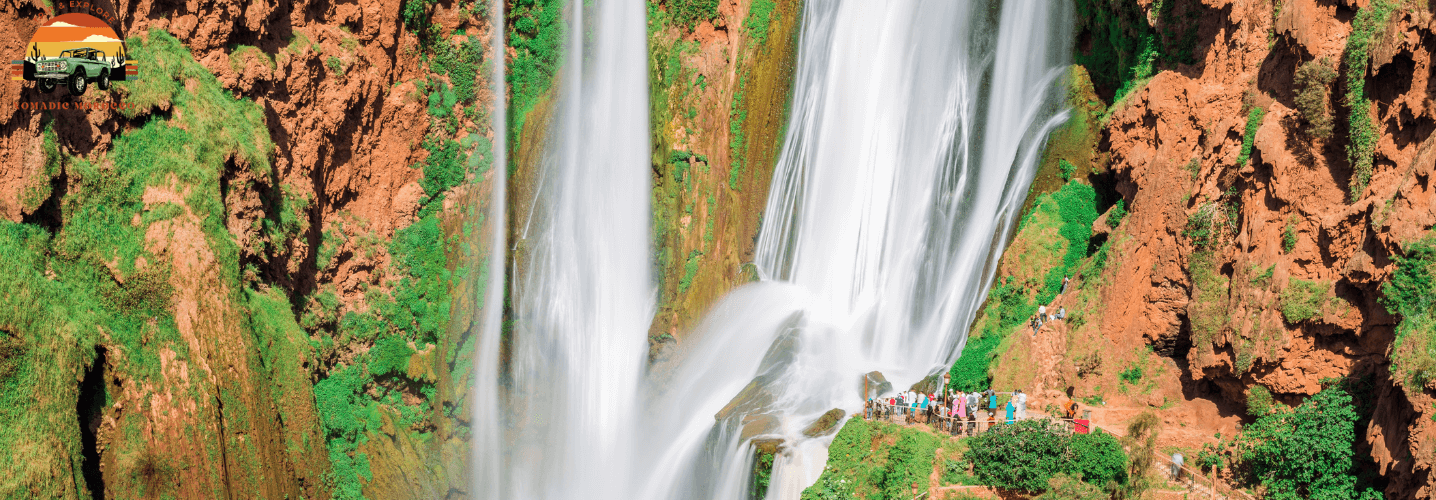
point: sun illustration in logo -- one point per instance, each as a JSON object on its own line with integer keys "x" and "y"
{"x": 75, "y": 50}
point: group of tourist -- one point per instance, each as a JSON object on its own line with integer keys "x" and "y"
{"x": 957, "y": 413}
{"x": 1042, "y": 317}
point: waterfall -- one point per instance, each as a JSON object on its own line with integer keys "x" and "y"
{"x": 914, "y": 134}
{"x": 584, "y": 298}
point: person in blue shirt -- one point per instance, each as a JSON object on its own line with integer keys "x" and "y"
{"x": 1011, "y": 410}
{"x": 991, "y": 402}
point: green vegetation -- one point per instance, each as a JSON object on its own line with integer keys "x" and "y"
{"x": 1065, "y": 487}
{"x": 335, "y": 66}
{"x": 1125, "y": 48}
{"x": 1361, "y": 145}
{"x": 1302, "y": 300}
{"x": 536, "y": 34}
{"x": 1313, "y": 82}
{"x": 762, "y": 474}
{"x": 687, "y": 13}
{"x": 1066, "y": 168}
{"x": 1411, "y": 295}
{"x": 1208, "y": 310}
{"x": 1253, "y": 122}
{"x": 876, "y": 460}
{"x": 1305, "y": 452}
{"x": 1060, "y": 224}
{"x": 1260, "y": 402}
{"x": 240, "y": 53}
{"x": 1288, "y": 235}
{"x": 760, "y": 17}
{"x": 1026, "y": 455}
{"x": 1119, "y": 212}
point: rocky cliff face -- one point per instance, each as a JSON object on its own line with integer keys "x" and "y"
{"x": 243, "y": 283}
{"x": 1256, "y": 244}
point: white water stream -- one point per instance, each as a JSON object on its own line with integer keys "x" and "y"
{"x": 914, "y": 134}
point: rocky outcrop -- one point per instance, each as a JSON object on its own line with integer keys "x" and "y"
{"x": 1213, "y": 303}
{"x": 227, "y": 407}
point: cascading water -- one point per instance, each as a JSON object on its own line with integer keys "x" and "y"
{"x": 584, "y": 298}
{"x": 914, "y": 135}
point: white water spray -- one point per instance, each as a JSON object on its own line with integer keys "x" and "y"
{"x": 914, "y": 135}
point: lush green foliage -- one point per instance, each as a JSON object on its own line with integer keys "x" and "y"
{"x": 1010, "y": 303}
{"x": 1411, "y": 294}
{"x": 463, "y": 63}
{"x": 909, "y": 464}
{"x": 1207, "y": 311}
{"x": 1098, "y": 458}
{"x": 862, "y": 465}
{"x": 760, "y": 16}
{"x": 1065, "y": 487}
{"x": 1313, "y": 81}
{"x": 1021, "y": 456}
{"x": 1066, "y": 168}
{"x": 1305, "y": 453}
{"x": 1361, "y": 130}
{"x": 535, "y": 62}
{"x": 1302, "y": 300}
{"x": 688, "y": 13}
{"x": 1260, "y": 401}
{"x": 762, "y": 475}
{"x": 1253, "y": 122}
{"x": 1119, "y": 212}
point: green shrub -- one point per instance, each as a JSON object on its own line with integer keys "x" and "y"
{"x": 909, "y": 464}
{"x": 1098, "y": 458}
{"x": 1253, "y": 122}
{"x": 1362, "y": 135}
{"x": 1119, "y": 212}
{"x": 762, "y": 475}
{"x": 690, "y": 271}
{"x": 535, "y": 60}
{"x": 1288, "y": 236}
{"x": 1021, "y": 456}
{"x": 1302, "y": 300}
{"x": 1411, "y": 294}
{"x": 1065, "y": 487}
{"x": 1066, "y": 168}
{"x": 1131, "y": 375}
{"x": 1260, "y": 401}
{"x": 1307, "y": 452}
{"x": 335, "y": 66}
{"x": 760, "y": 17}
{"x": 848, "y": 463}
{"x": 687, "y": 13}
{"x": 1313, "y": 81}
{"x": 1208, "y": 309}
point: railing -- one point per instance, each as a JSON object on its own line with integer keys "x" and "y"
{"x": 1206, "y": 485}
{"x": 978, "y": 421}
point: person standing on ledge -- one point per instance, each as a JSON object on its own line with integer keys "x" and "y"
{"x": 1021, "y": 399}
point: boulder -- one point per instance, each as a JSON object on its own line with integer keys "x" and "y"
{"x": 826, "y": 424}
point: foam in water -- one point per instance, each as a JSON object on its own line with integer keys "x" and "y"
{"x": 914, "y": 135}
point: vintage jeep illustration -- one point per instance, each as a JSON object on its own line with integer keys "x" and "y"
{"x": 76, "y": 69}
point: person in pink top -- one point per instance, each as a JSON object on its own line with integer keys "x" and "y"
{"x": 960, "y": 407}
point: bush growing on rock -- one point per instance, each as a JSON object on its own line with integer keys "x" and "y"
{"x": 1312, "y": 81}
{"x": 1411, "y": 294}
